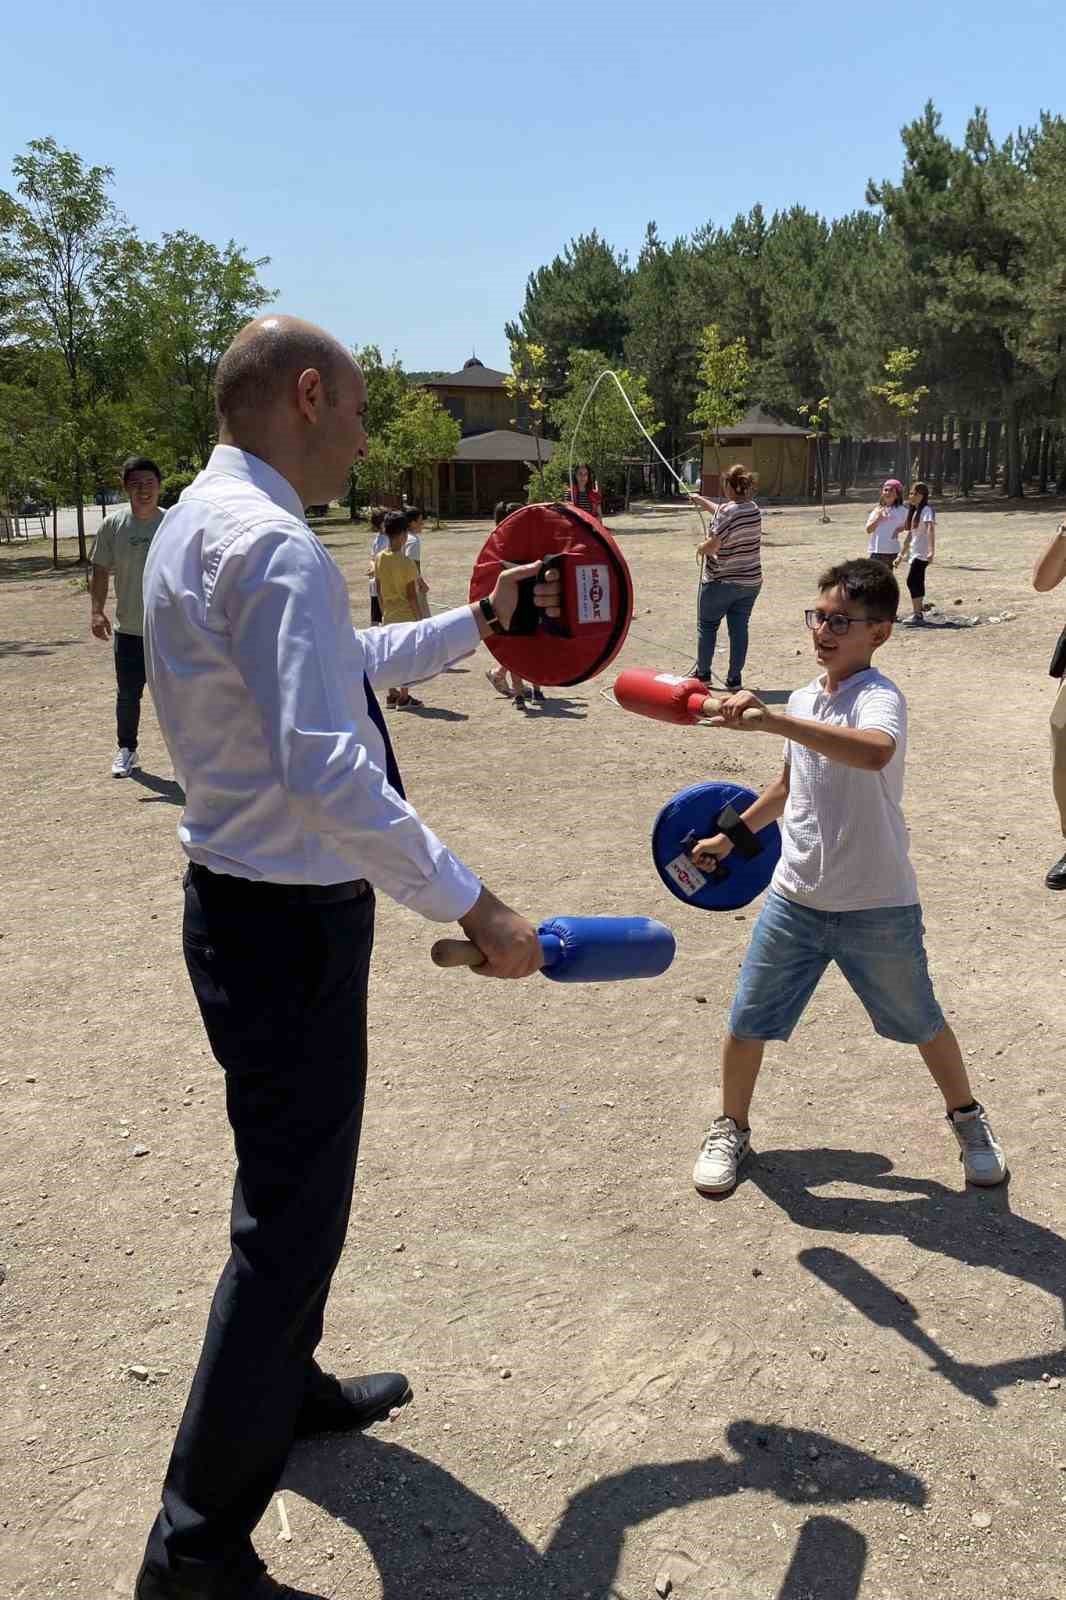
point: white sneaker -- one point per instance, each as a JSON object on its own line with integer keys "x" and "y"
{"x": 124, "y": 763}
{"x": 724, "y": 1147}
{"x": 982, "y": 1158}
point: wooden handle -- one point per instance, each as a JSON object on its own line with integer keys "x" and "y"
{"x": 753, "y": 713}
{"x": 456, "y": 953}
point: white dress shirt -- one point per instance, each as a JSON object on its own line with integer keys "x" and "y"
{"x": 257, "y": 677}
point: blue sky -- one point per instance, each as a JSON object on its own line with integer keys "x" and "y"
{"x": 405, "y": 166}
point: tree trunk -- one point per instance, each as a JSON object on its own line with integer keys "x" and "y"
{"x": 995, "y": 429}
{"x": 844, "y": 464}
{"x": 1012, "y": 482}
{"x": 937, "y": 473}
{"x": 1045, "y": 460}
{"x": 966, "y": 433}
{"x": 949, "y": 452}
{"x": 79, "y": 503}
{"x": 55, "y": 535}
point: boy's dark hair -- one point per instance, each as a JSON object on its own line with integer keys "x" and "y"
{"x": 504, "y": 509}
{"x": 139, "y": 464}
{"x": 868, "y": 583}
{"x": 377, "y": 519}
{"x": 413, "y": 514}
{"x": 395, "y": 522}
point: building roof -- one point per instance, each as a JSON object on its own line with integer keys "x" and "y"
{"x": 760, "y": 423}
{"x": 501, "y": 444}
{"x": 472, "y": 376}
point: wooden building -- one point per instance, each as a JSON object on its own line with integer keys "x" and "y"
{"x": 494, "y": 457}
{"x": 488, "y": 467}
{"x": 781, "y": 456}
{"x": 475, "y": 396}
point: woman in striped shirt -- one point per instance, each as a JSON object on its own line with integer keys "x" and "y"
{"x": 732, "y": 573}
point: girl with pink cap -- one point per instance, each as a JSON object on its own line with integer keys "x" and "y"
{"x": 884, "y": 523}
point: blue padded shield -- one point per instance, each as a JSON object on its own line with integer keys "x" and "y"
{"x": 603, "y": 949}
{"x": 693, "y": 814}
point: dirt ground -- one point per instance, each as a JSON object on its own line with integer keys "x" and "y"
{"x": 848, "y": 1378}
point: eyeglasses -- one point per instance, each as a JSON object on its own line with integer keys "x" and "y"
{"x": 835, "y": 621}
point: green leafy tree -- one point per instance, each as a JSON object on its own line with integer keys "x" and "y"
{"x": 526, "y": 383}
{"x": 62, "y": 242}
{"x": 422, "y": 434}
{"x": 903, "y": 403}
{"x": 387, "y": 388}
{"x": 727, "y": 280}
{"x": 578, "y": 301}
{"x": 660, "y": 344}
{"x": 819, "y": 417}
{"x": 191, "y": 299}
{"x": 607, "y": 431}
{"x": 962, "y": 213}
{"x": 724, "y": 376}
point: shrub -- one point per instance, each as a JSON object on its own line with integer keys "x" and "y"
{"x": 173, "y": 484}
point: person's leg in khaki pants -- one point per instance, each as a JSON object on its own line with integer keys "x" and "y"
{"x": 1056, "y": 878}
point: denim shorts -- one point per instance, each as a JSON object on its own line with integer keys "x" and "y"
{"x": 881, "y": 954}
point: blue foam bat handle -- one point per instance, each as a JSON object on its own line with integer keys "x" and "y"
{"x": 605, "y": 949}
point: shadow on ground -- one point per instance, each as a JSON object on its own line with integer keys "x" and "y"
{"x": 13, "y": 568}
{"x": 432, "y": 1536}
{"x": 972, "y": 1226}
{"x": 34, "y": 647}
{"x": 432, "y": 713}
{"x": 165, "y": 789}
{"x": 558, "y": 706}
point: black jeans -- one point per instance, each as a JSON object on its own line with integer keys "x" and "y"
{"x": 129, "y": 671}
{"x": 281, "y": 986}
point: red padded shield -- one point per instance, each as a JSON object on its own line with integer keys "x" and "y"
{"x": 597, "y": 593}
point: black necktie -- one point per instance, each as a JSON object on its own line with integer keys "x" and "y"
{"x": 392, "y": 771}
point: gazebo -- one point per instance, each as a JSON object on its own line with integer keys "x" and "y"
{"x": 779, "y": 454}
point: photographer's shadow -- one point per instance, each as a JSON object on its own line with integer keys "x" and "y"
{"x": 974, "y": 1227}
{"x": 430, "y": 1535}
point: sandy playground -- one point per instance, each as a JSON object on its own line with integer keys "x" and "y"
{"x": 846, "y": 1379}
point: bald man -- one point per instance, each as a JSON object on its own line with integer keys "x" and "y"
{"x": 294, "y": 814}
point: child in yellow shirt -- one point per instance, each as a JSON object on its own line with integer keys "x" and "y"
{"x": 398, "y": 593}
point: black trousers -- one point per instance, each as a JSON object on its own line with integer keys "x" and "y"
{"x": 281, "y": 983}
{"x": 129, "y": 671}
{"x": 916, "y": 579}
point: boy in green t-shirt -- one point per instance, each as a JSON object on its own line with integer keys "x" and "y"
{"x": 121, "y": 548}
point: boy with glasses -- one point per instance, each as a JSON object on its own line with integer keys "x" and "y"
{"x": 844, "y": 889}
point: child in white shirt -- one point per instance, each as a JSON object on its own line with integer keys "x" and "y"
{"x": 885, "y": 523}
{"x": 919, "y": 546}
{"x": 844, "y": 889}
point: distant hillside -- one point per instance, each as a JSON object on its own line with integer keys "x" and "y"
{"x": 423, "y": 377}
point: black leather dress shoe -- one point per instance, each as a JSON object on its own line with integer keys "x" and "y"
{"x": 151, "y": 1586}
{"x": 340, "y": 1405}
{"x": 1056, "y": 878}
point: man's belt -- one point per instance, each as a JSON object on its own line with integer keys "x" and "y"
{"x": 306, "y": 894}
